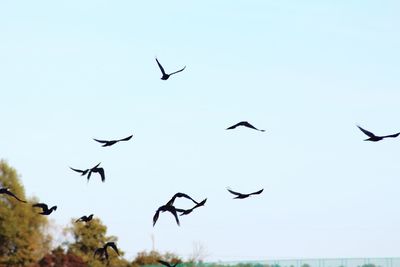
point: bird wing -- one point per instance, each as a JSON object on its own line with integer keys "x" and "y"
{"x": 126, "y": 138}
{"x": 180, "y": 210}
{"x": 102, "y": 174}
{"x": 89, "y": 174}
{"x": 96, "y": 166}
{"x": 100, "y": 141}
{"x": 178, "y": 71}
{"x": 257, "y": 192}
{"x": 161, "y": 67}
{"x": 155, "y": 217}
{"x": 113, "y": 246}
{"x": 164, "y": 263}
{"x": 14, "y": 196}
{"x": 201, "y": 203}
{"x": 392, "y": 135}
{"x": 173, "y": 211}
{"x": 186, "y": 196}
{"x": 233, "y": 126}
{"x": 247, "y": 124}
{"x": 80, "y": 171}
{"x": 366, "y": 132}
{"x": 233, "y": 192}
{"x": 41, "y": 205}
{"x": 98, "y": 251}
{"x": 81, "y": 219}
{"x": 171, "y": 202}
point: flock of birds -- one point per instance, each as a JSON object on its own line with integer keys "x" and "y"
{"x": 169, "y": 206}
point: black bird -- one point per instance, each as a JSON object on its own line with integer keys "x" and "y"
{"x": 84, "y": 172}
{"x": 168, "y": 208}
{"x": 45, "y": 208}
{"x": 244, "y": 123}
{"x": 112, "y": 142}
{"x": 186, "y": 212}
{"x": 85, "y": 218}
{"x": 103, "y": 251}
{"x": 167, "y": 263}
{"x": 240, "y": 195}
{"x": 165, "y": 75}
{"x": 8, "y": 192}
{"x": 373, "y": 137}
{"x": 171, "y": 202}
{"x": 99, "y": 171}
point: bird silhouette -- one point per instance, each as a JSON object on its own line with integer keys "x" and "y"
{"x": 112, "y": 142}
{"x": 375, "y": 138}
{"x": 179, "y": 195}
{"x": 8, "y": 192}
{"x": 245, "y": 124}
{"x": 84, "y": 172}
{"x": 165, "y": 76}
{"x": 165, "y": 263}
{"x": 99, "y": 171}
{"x": 45, "y": 208}
{"x": 170, "y": 209}
{"x": 85, "y": 218}
{"x": 103, "y": 250}
{"x": 186, "y": 212}
{"x": 241, "y": 196}
{"x": 89, "y": 172}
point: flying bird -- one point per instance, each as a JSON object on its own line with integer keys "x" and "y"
{"x": 112, "y": 142}
{"x": 45, "y": 208}
{"x": 375, "y": 138}
{"x": 8, "y": 192}
{"x": 84, "y": 172}
{"x": 241, "y": 196}
{"x": 245, "y": 124}
{"x": 186, "y": 212}
{"x": 103, "y": 250}
{"x": 179, "y": 195}
{"x": 168, "y": 208}
{"x": 89, "y": 172}
{"x": 99, "y": 171}
{"x": 85, "y": 218}
{"x": 165, "y": 76}
{"x": 167, "y": 263}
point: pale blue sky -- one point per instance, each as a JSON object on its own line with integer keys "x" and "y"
{"x": 306, "y": 71}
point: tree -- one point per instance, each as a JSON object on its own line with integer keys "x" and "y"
{"x": 58, "y": 258}
{"x": 199, "y": 253}
{"x": 87, "y": 237}
{"x": 152, "y": 257}
{"x": 22, "y": 231}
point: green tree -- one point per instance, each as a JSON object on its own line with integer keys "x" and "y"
{"x": 22, "y": 231}
{"x": 87, "y": 237}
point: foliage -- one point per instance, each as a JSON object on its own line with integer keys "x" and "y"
{"x": 22, "y": 231}
{"x": 87, "y": 237}
{"x": 151, "y": 258}
{"x": 58, "y": 258}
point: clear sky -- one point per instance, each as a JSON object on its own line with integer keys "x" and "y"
{"x": 306, "y": 71}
